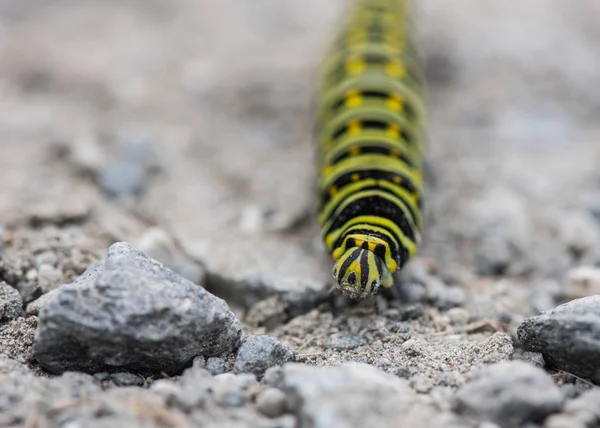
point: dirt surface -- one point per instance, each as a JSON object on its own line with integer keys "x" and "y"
{"x": 184, "y": 128}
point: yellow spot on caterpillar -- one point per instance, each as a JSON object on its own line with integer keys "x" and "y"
{"x": 353, "y": 99}
{"x": 354, "y": 127}
{"x": 395, "y": 68}
{"x": 355, "y": 177}
{"x": 394, "y": 153}
{"x": 415, "y": 197}
{"x": 354, "y": 151}
{"x": 397, "y": 180}
{"x": 393, "y": 130}
{"x": 338, "y": 253}
{"x": 333, "y": 191}
{"x": 395, "y": 103}
{"x": 354, "y": 66}
{"x": 327, "y": 171}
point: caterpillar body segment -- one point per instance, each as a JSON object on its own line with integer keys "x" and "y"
{"x": 370, "y": 117}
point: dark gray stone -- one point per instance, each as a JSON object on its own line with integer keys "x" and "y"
{"x": 130, "y": 313}
{"x": 122, "y": 178}
{"x": 11, "y": 303}
{"x": 260, "y": 352}
{"x": 344, "y": 341}
{"x": 568, "y": 337}
{"x": 509, "y": 394}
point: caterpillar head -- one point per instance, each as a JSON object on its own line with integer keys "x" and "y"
{"x": 360, "y": 273}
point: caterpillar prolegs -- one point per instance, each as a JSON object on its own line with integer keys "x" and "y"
{"x": 370, "y": 116}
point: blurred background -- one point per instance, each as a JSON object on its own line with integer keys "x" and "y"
{"x": 194, "y": 117}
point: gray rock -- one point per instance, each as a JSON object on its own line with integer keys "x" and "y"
{"x": 535, "y": 358}
{"x": 11, "y": 303}
{"x": 122, "y": 178}
{"x": 216, "y": 365}
{"x": 568, "y": 337}
{"x": 355, "y": 395}
{"x": 344, "y": 341}
{"x": 16, "y": 339}
{"x": 260, "y": 352}
{"x": 509, "y": 394}
{"x": 271, "y": 402}
{"x": 126, "y": 379}
{"x": 131, "y": 313}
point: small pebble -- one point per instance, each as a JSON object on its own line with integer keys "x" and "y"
{"x": 126, "y": 379}
{"x": 535, "y": 358}
{"x": 412, "y": 312}
{"x": 362, "y": 359}
{"x": 259, "y": 352}
{"x": 122, "y": 178}
{"x": 11, "y": 303}
{"x": 383, "y": 363}
{"x": 273, "y": 376}
{"x": 344, "y": 341}
{"x": 271, "y": 402}
{"x": 31, "y": 275}
{"x": 216, "y": 365}
{"x": 199, "y": 362}
{"x": 403, "y": 372}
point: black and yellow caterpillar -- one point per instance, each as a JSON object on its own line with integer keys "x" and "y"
{"x": 370, "y": 121}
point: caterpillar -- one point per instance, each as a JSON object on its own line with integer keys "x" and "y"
{"x": 369, "y": 130}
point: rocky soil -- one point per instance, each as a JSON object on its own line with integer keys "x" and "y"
{"x": 160, "y": 263}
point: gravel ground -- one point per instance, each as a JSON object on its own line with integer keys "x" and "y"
{"x": 149, "y": 147}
